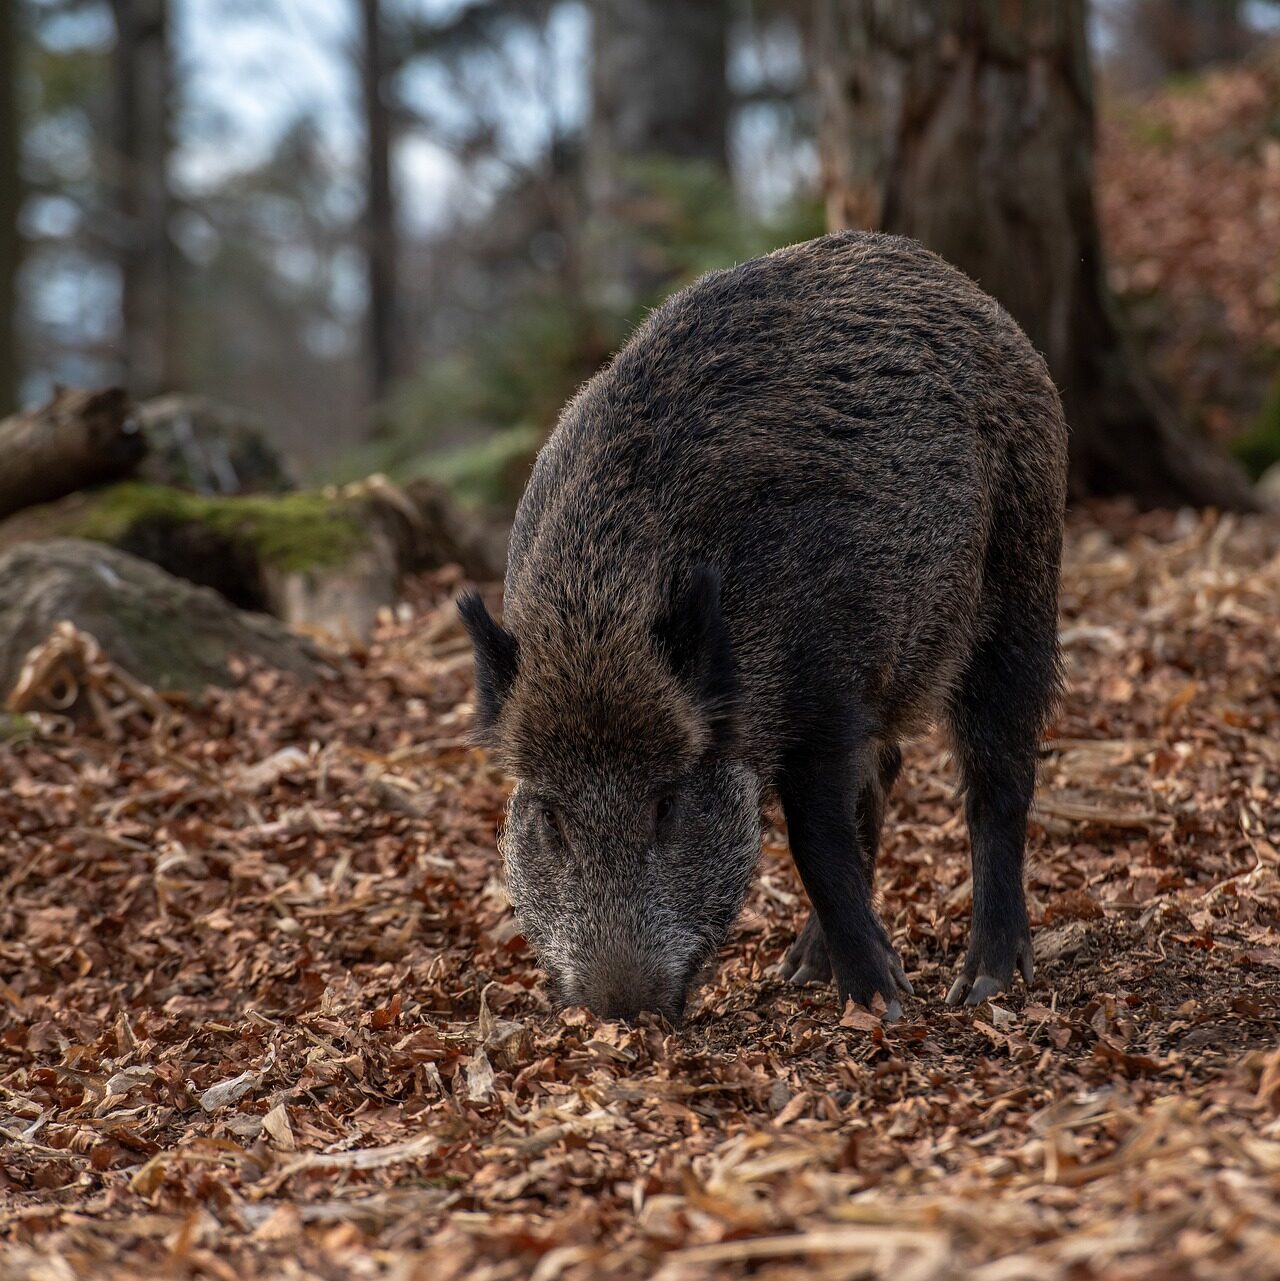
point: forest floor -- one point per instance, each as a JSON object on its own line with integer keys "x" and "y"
{"x": 264, "y": 1012}
{"x": 1189, "y": 202}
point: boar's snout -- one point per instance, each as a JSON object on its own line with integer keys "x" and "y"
{"x": 621, "y": 1003}
{"x": 624, "y": 992}
{"x": 627, "y": 1002}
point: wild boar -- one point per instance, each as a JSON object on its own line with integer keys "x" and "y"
{"x": 812, "y": 507}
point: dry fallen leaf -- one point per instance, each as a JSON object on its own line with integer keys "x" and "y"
{"x": 227, "y": 1092}
{"x": 276, "y": 1124}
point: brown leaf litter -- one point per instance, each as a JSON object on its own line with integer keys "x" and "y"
{"x": 266, "y": 1013}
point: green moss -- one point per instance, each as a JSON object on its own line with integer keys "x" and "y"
{"x": 15, "y": 728}
{"x": 1259, "y": 447}
{"x": 1189, "y": 84}
{"x": 290, "y": 532}
{"x": 1154, "y": 133}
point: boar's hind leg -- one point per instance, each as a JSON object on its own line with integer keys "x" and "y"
{"x": 807, "y": 960}
{"x": 820, "y": 800}
{"x": 996, "y": 718}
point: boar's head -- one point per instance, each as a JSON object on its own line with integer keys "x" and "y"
{"x": 633, "y": 831}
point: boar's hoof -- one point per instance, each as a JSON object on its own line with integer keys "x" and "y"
{"x": 878, "y": 972}
{"x": 981, "y": 979}
{"x": 806, "y": 960}
{"x": 899, "y": 974}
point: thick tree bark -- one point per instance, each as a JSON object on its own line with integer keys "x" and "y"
{"x": 968, "y": 125}
{"x": 659, "y": 93}
{"x": 78, "y": 439}
{"x": 10, "y": 204}
{"x": 140, "y": 181}
{"x": 379, "y": 210}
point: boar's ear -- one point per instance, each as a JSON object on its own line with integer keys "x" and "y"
{"x": 692, "y": 636}
{"x": 497, "y": 657}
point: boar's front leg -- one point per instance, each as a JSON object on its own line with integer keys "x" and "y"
{"x": 807, "y": 960}
{"x": 819, "y": 792}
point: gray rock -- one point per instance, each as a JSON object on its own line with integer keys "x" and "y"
{"x": 1269, "y": 487}
{"x": 162, "y": 630}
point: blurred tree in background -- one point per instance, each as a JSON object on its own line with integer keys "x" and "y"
{"x": 403, "y": 231}
{"x": 1163, "y": 38}
{"x": 271, "y": 314}
{"x": 659, "y": 99}
{"x": 10, "y": 205}
{"x": 137, "y": 181}
{"x": 970, "y": 127}
{"x": 629, "y": 196}
{"x": 380, "y": 234}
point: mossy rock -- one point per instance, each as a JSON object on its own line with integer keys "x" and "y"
{"x": 234, "y": 545}
{"x": 164, "y": 631}
{"x": 330, "y": 561}
{"x": 286, "y": 531}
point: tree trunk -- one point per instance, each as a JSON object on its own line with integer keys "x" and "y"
{"x": 968, "y": 125}
{"x": 659, "y": 93}
{"x": 78, "y": 439}
{"x": 140, "y": 180}
{"x": 379, "y": 209}
{"x": 10, "y": 205}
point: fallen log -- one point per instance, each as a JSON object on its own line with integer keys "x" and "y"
{"x": 80, "y": 438}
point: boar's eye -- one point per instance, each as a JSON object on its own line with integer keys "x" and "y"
{"x": 551, "y": 823}
{"x": 663, "y": 808}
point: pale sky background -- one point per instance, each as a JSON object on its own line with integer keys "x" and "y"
{"x": 248, "y": 67}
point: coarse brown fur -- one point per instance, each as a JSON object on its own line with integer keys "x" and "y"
{"x": 813, "y": 506}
